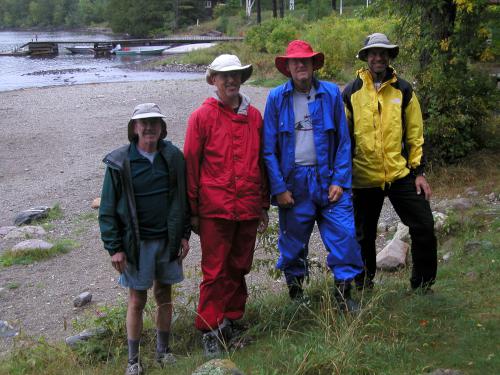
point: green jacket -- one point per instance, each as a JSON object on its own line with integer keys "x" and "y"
{"x": 117, "y": 212}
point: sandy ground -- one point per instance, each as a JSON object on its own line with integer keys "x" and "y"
{"x": 53, "y": 142}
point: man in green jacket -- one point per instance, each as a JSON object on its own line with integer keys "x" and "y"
{"x": 144, "y": 222}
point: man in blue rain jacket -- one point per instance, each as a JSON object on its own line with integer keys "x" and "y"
{"x": 308, "y": 157}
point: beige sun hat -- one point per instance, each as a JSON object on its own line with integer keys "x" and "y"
{"x": 228, "y": 63}
{"x": 146, "y": 110}
{"x": 378, "y": 40}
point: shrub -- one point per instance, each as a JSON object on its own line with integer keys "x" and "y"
{"x": 340, "y": 40}
{"x": 273, "y": 35}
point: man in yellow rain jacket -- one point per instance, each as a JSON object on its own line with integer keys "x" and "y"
{"x": 387, "y": 137}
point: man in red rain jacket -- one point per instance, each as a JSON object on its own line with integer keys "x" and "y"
{"x": 228, "y": 195}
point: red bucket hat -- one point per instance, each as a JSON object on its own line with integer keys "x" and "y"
{"x": 298, "y": 49}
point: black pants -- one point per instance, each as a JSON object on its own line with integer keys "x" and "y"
{"x": 414, "y": 211}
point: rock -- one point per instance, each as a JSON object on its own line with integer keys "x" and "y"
{"x": 218, "y": 367}
{"x": 471, "y": 275}
{"x": 382, "y": 227}
{"x": 83, "y": 336}
{"x": 491, "y": 197}
{"x": 26, "y": 231}
{"x": 460, "y": 204}
{"x": 391, "y": 229}
{"x": 393, "y": 256}
{"x": 6, "y": 230}
{"x": 439, "y": 220}
{"x": 471, "y": 192}
{"x": 96, "y": 203}
{"x": 82, "y": 299}
{"x": 2, "y": 290}
{"x": 441, "y": 371}
{"x": 472, "y": 246}
{"x": 402, "y": 233}
{"x": 34, "y": 213}
{"x": 447, "y": 256}
{"x": 6, "y": 330}
{"x": 32, "y": 245}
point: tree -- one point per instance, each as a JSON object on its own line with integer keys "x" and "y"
{"x": 456, "y": 98}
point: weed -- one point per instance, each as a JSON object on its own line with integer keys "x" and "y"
{"x": 29, "y": 256}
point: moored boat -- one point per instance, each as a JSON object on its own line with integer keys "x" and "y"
{"x": 143, "y": 50}
{"x": 87, "y": 50}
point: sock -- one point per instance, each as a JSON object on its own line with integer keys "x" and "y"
{"x": 162, "y": 338}
{"x": 133, "y": 350}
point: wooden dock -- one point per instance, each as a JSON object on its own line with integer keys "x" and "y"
{"x": 42, "y": 48}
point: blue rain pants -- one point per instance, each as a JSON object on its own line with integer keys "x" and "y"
{"x": 335, "y": 222}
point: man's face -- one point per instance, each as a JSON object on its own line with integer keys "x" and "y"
{"x": 148, "y": 129}
{"x": 228, "y": 84}
{"x": 378, "y": 60}
{"x": 301, "y": 69}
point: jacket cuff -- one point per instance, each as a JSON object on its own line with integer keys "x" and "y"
{"x": 417, "y": 171}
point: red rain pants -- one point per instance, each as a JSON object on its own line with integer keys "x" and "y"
{"x": 227, "y": 249}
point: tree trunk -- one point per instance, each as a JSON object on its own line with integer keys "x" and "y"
{"x": 334, "y": 4}
{"x": 282, "y": 8}
{"x": 259, "y": 15}
{"x": 275, "y": 9}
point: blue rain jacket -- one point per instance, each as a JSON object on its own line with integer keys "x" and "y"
{"x": 331, "y": 138}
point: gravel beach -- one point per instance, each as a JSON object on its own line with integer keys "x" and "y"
{"x": 53, "y": 142}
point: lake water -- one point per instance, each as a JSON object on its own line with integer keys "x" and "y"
{"x": 69, "y": 69}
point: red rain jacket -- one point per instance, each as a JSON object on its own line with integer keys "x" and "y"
{"x": 226, "y": 176}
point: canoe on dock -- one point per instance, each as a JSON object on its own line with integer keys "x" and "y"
{"x": 85, "y": 50}
{"x": 145, "y": 50}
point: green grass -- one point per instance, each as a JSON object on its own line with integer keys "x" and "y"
{"x": 30, "y": 256}
{"x": 397, "y": 332}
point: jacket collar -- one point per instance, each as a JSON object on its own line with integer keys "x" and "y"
{"x": 365, "y": 75}
{"x": 243, "y": 108}
{"x": 289, "y": 87}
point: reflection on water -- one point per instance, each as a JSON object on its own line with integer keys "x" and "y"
{"x": 67, "y": 68}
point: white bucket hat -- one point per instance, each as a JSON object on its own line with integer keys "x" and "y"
{"x": 378, "y": 40}
{"x": 146, "y": 110}
{"x": 228, "y": 63}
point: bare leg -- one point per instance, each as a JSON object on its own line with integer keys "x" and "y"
{"x": 136, "y": 302}
{"x": 163, "y": 297}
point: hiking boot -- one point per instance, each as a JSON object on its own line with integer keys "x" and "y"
{"x": 211, "y": 344}
{"x": 134, "y": 368}
{"x": 165, "y": 359}
{"x": 295, "y": 290}
{"x": 363, "y": 282}
{"x": 344, "y": 300}
{"x": 225, "y": 330}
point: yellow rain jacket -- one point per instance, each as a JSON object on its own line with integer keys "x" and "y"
{"x": 386, "y": 129}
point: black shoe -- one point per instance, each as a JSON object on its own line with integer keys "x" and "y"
{"x": 295, "y": 290}
{"x": 343, "y": 297}
{"x": 364, "y": 282}
{"x": 211, "y": 344}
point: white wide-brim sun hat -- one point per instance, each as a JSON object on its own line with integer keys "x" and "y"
{"x": 228, "y": 63}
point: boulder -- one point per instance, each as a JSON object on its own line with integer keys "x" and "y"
{"x": 26, "y": 231}
{"x": 83, "y": 336}
{"x": 491, "y": 197}
{"x": 34, "y": 213}
{"x": 32, "y": 245}
{"x": 441, "y": 371}
{"x": 6, "y": 230}
{"x": 402, "y": 233}
{"x": 460, "y": 204}
{"x": 6, "y": 330}
{"x": 218, "y": 367}
{"x": 447, "y": 256}
{"x": 82, "y": 299}
{"x": 439, "y": 220}
{"x": 96, "y": 203}
{"x": 393, "y": 256}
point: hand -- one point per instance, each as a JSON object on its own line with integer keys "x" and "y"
{"x": 285, "y": 199}
{"x": 119, "y": 261}
{"x": 184, "y": 250}
{"x": 195, "y": 224}
{"x": 334, "y": 193}
{"x": 422, "y": 184}
{"x": 263, "y": 221}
